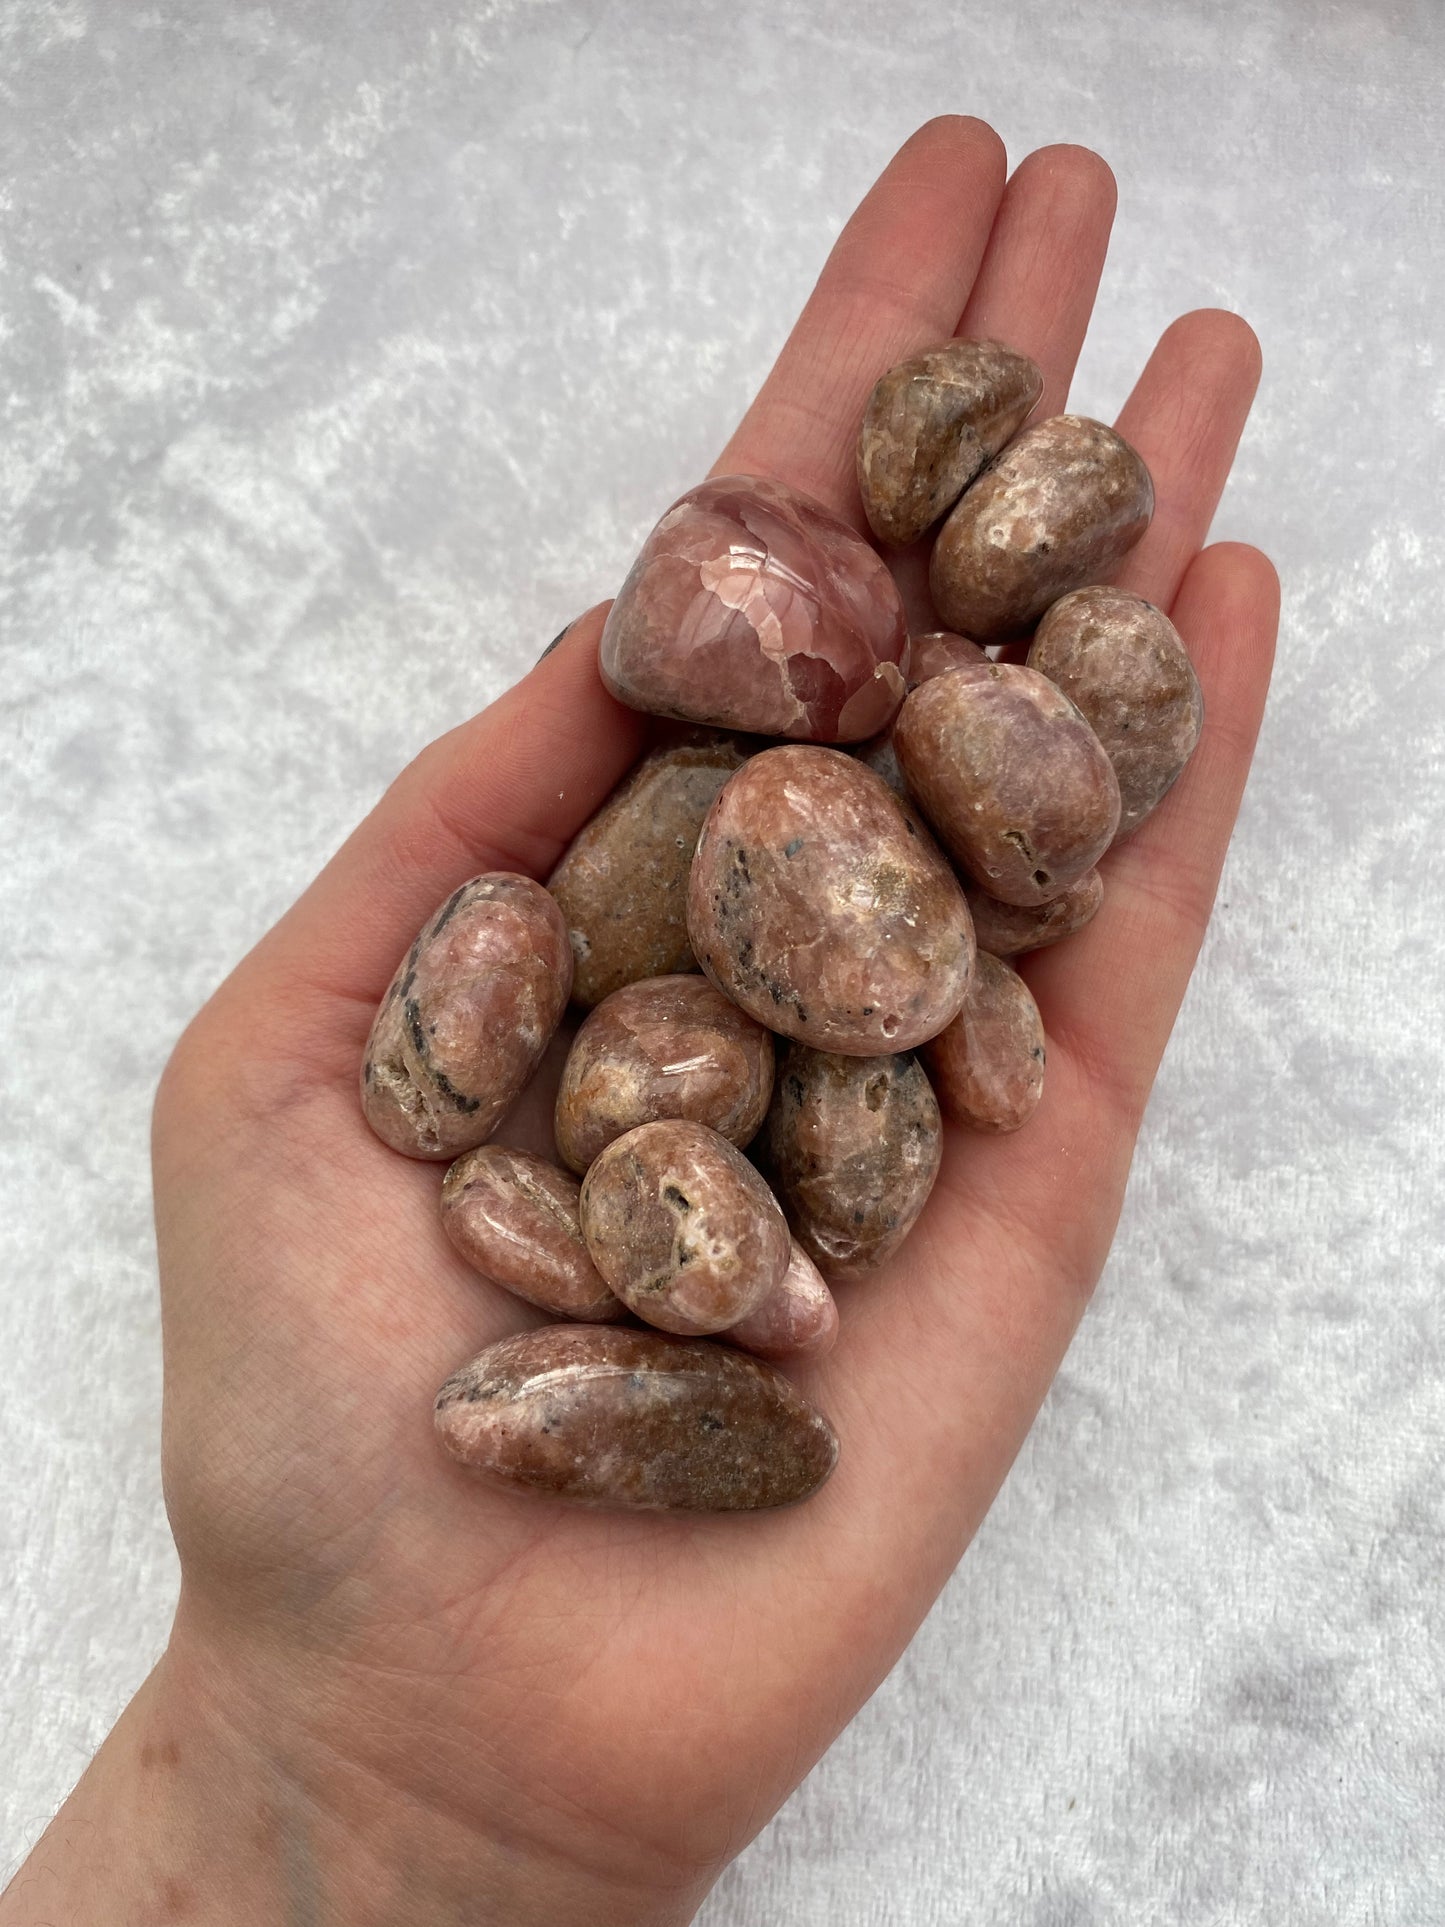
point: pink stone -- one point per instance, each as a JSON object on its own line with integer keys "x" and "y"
{"x": 754, "y": 607}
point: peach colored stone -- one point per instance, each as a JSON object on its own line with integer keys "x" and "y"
{"x": 988, "y": 1066}
{"x": 928, "y": 656}
{"x": 1009, "y": 929}
{"x": 931, "y": 424}
{"x": 753, "y": 607}
{"x": 799, "y": 1319}
{"x": 467, "y": 1017}
{"x": 666, "y": 1047}
{"x": 822, "y": 906}
{"x": 682, "y": 1227}
{"x": 513, "y": 1217}
{"x": 605, "y": 1416}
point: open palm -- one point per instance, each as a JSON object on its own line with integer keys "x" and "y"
{"x": 615, "y": 1704}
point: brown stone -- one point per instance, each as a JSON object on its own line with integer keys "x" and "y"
{"x": 754, "y": 607}
{"x": 931, "y": 424}
{"x": 798, "y": 1320}
{"x": 467, "y": 1017}
{"x": 1125, "y": 665}
{"x": 1061, "y": 507}
{"x": 852, "y": 1146}
{"x": 928, "y": 656}
{"x": 822, "y": 906}
{"x": 513, "y": 1217}
{"x": 1012, "y": 778}
{"x": 666, "y": 1047}
{"x": 682, "y": 1227}
{"x": 622, "y": 884}
{"x": 1009, "y": 929}
{"x": 610, "y": 1417}
{"x": 988, "y": 1066}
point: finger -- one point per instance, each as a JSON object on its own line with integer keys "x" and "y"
{"x": 1185, "y": 417}
{"x": 1036, "y": 287}
{"x": 895, "y": 282}
{"x": 1109, "y": 997}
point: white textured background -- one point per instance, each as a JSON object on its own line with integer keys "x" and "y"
{"x": 347, "y": 350}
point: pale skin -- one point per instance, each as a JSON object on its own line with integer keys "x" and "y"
{"x": 395, "y": 1695}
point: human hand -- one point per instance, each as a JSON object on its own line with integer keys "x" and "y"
{"x": 396, "y": 1694}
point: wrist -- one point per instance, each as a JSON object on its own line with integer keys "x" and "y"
{"x": 192, "y": 1814}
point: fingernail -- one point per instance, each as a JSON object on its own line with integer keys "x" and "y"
{"x": 553, "y": 643}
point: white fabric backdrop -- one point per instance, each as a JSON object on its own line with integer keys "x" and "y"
{"x": 345, "y": 353}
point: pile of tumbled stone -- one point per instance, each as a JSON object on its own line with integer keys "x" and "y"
{"x": 731, "y": 1144}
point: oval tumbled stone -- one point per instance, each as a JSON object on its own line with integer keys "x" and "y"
{"x": 931, "y": 424}
{"x": 513, "y": 1217}
{"x": 1063, "y": 504}
{"x": 754, "y": 607}
{"x": 467, "y": 1017}
{"x": 988, "y": 1066}
{"x": 610, "y": 1417}
{"x": 822, "y": 906}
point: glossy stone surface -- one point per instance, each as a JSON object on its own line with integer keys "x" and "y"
{"x": 1012, "y": 778}
{"x": 852, "y": 1147}
{"x": 798, "y": 1320}
{"x": 988, "y": 1066}
{"x": 682, "y": 1227}
{"x": 822, "y": 906}
{"x": 928, "y": 656}
{"x": 610, "y": 1417}
{"x": 753, "y": 607}
{"x": 1125, "y": 665}
{"x": 467, "y": 1017}
{"x": 931, "y": 424}
{"x": 622, "y": 883}
{"x": 1009, "y": 929}
{"x": 668, "y": 1047}
{"x": 513, "y": 1216}
{"x": 1061, "y": 507}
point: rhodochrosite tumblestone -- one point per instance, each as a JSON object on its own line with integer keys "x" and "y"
{"x": 821, "y": 905}
{"x": 753, "y": 607}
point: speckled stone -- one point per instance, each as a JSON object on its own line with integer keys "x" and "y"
{"x": 1009, "y": 929}
{"x": 1061, "y": 507}
{"x": 822, "y": 906}
{"x": 667, "y": 1047}
{"x": 928, "y": 656}
{"x": 467, "y": 1017}
{"x": 753, "y": 607}
{"x": 988, "y": 1066}
{"x": 852, "y": 1147}
{"x": 682, "y": 1227}
{"x": 931, "y": 424}
{"x": 513, "y": 1217}
{"x": 622, "y": 884}
{"x": 798, "y": 1320}
{"x": 1125, "y": 665}
{"x": 610, "y": 1417}
{"x": 1012, "y": 778}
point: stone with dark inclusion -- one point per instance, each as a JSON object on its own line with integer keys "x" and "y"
{"x": 753, "y": 607}
{"x": 605, "y": 1416}
{"x": 932, "y": 423}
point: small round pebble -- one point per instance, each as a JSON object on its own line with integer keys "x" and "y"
{"x": 988, "y": 1066}
{"x": 1009, "y": 929}
{"x": 798, "y": 1320}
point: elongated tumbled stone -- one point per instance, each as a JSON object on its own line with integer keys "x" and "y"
{"x": 852, "y": 1146}
{"x": 466, "y": 1017}
{"x": 931, "y": 424}
{"x": 610, "y": 1417}
{"x": 1010, "y": 775}
{"x": 754, "y": 607}
{"x": 622, "y": 883}
{"x": 682, "y": 1227}
{"x": 822, "y": 906}
{"x": 988, "y": 1066}
{"x": 1125, "y": 665}
{"x": 1062, "y": 506}
{"x": 1009, "y": 929}
{"x": 513, "y": 1217}
{"x": 665, "y": 1047}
